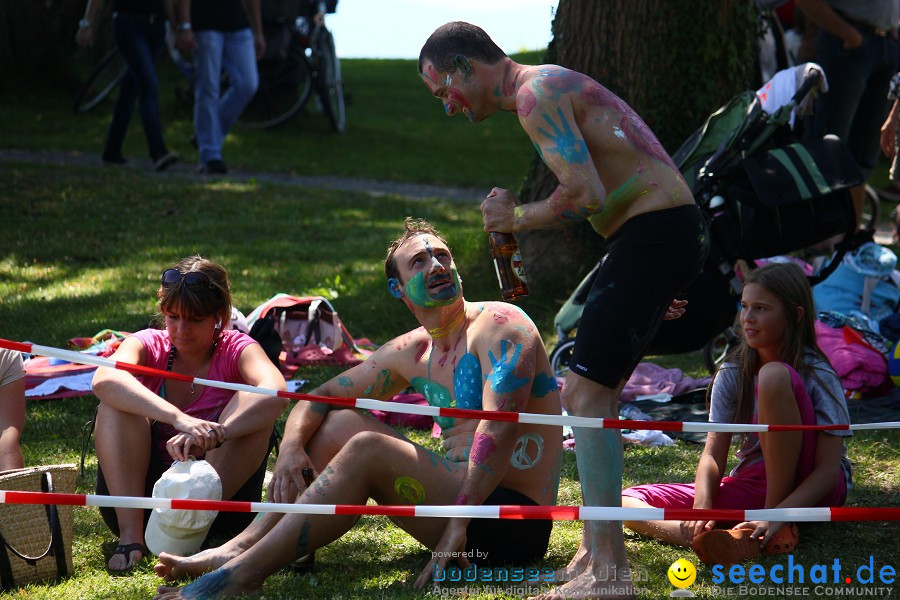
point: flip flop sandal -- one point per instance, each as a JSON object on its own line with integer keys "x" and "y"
{"x": 725, "y": 546}
{"x": 784, "y": 541}
{"x": 126, "y": 550}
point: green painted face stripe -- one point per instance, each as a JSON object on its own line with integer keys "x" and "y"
{"x": 812, "y": 168}
{"x": 782, "y": 157}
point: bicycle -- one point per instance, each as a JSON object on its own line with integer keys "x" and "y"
{"x": 285, "y": 85}
{"x": 110, "y": 71}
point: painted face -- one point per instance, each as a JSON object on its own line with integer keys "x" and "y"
{"x": 426, "y": 265}
{"x": 763, "y": 320}
{"x": 190, "y": 334}
{"x": 452, "y": 89}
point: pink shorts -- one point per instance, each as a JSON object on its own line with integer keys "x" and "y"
{"x": 747, "y": 489}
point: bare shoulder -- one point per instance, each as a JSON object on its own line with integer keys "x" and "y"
{"x": 398, "y": 349}
{"x": 503, "y": 320}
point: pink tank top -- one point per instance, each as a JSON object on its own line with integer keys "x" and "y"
{"x": 211, "y": 401}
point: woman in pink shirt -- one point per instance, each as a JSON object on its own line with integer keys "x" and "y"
{"x": 145, "y": 423}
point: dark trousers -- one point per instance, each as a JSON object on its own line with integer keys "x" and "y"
{"x": 227, "y": 524}
{"x": 139, "y": 40}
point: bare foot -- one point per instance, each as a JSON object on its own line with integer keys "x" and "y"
{"x": 576, "y": 566}
{"x": 589, "y": 585}
{"x": 221, "y": 583}
{"x": 175, "y": 568}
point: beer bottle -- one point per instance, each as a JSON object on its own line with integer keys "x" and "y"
{"x": 508, "y": 263}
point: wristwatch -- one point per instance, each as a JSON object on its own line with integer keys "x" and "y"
{"x": 83, "y": 23}
{"x": 186, "y": 26}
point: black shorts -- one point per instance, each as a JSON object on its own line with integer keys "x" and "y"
{"x": 651, "y": 258}
{"x": 515, "y": 541}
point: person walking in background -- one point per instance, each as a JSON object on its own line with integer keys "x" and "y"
{"x": 857, "y": 48}
{"x": 221, "y": 34}
{"x": 613, "y": 172}
{"x": 139, "y": 33}
{"x": 12, "y": 409}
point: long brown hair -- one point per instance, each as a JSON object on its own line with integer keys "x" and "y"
{"x": 789, "y": 285}
{"x": 191, "y": 302}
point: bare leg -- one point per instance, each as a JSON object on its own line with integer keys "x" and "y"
{"x": 665, "y": 531}
{"x": 337, "y": 428}
{"x": 367, "y": 467}
{"x": 12, "y": 421}
{"x": 599, "y": 456}
{"x": 122, "y": 441}
{"x": 781, "y": 450}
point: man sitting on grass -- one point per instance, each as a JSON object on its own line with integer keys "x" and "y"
{"x": 476, "y": 355}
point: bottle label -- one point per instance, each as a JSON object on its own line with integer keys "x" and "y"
{"x": 518, "y": 267}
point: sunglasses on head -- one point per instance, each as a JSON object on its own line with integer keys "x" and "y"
{"x": 193, "y": 280}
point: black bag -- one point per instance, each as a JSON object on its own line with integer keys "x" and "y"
{"x": 264, "y": 332}
{"x": 786, "y": 199}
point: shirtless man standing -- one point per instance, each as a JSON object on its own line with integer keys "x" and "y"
{"x": 475, "y": 355}
{"x": 613, "y": 172}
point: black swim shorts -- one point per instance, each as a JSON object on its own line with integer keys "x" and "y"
{"x": 513, "y": 541}
{"x": 650, "y": 259}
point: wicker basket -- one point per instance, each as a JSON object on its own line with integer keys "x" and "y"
{"x": 31, "y": 549}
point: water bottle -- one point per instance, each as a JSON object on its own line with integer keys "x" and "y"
{"x": 509, "y": 266}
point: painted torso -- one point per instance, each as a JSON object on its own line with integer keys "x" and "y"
{"x": 452, "y": 372}
{"x": 637, "y": 173}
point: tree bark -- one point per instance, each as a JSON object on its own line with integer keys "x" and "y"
{"x": 673, "y": 62}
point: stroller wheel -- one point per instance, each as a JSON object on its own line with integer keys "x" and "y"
{"x": 559, "y": 357}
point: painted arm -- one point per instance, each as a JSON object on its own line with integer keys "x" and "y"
{"x": 377, "y": 378}
{"x": 710, "y": 471}
{"x": 508, "y": 358}
{"x": 553, "y": 130}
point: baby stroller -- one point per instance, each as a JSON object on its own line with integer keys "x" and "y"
{"x": 764, "y": 193}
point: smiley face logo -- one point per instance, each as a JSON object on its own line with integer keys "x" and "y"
{"x": 682, "y": 573}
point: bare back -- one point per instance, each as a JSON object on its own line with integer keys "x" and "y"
{"x": 584, "y": 131}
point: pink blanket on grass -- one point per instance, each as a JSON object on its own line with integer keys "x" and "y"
{"x": 860, "y": 367}
{"x": 649, "y": 379}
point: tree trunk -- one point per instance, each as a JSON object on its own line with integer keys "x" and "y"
{"x": 674, "y": 62}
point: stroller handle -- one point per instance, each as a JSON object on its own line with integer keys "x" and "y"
{"x": 809, "y": 82}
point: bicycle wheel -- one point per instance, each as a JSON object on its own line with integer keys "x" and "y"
{"x": 284, "y": 87}
{"x": 871, "y": 209}
{"x": 102, "y": 80}
{"x": 559, "y": 357}
{"x": 328, "y": 81}
{"x": 717, "y": 348}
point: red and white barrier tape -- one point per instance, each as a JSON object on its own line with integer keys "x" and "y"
{"x": 555, "y": 513}
{"x": 435, "y": 411}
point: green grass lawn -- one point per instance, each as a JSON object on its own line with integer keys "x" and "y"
{"x": 81, "y": 249}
